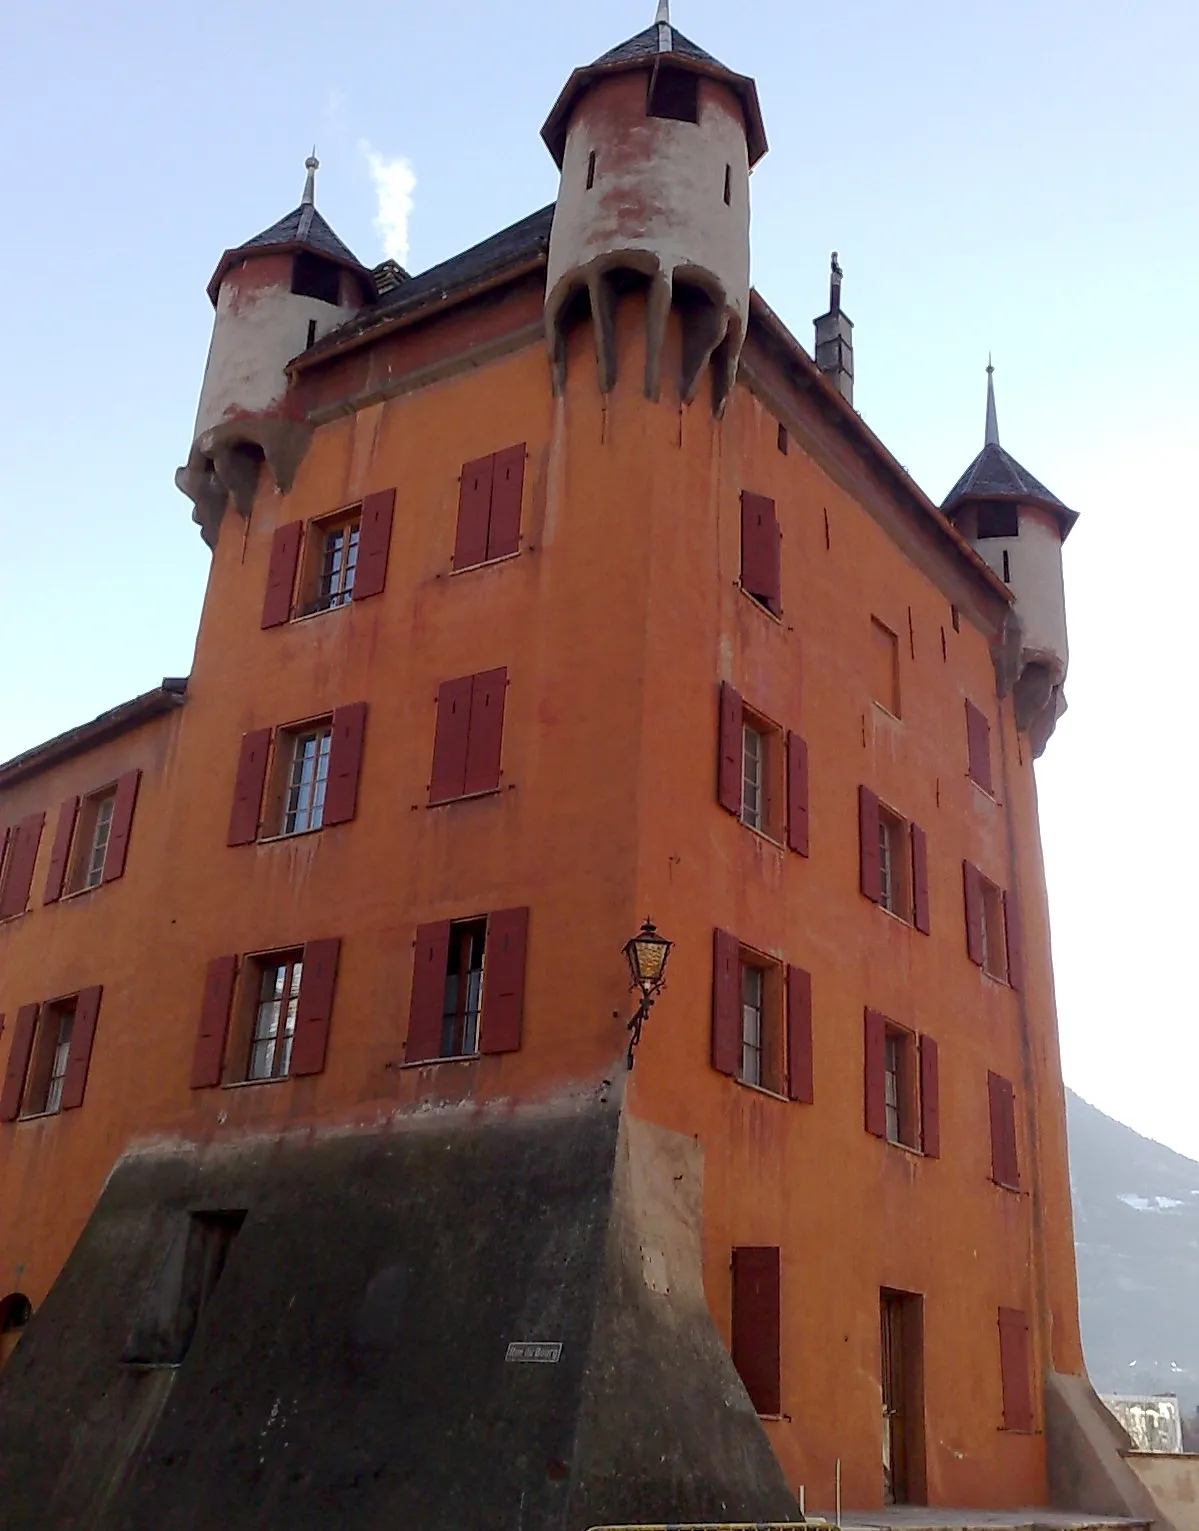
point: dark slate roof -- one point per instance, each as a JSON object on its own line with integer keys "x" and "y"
{"x": 645, "y": 44}
{"x": 995, "y": 474}
{"x": 520, "y": 241}
{"x": 304, "y": 226}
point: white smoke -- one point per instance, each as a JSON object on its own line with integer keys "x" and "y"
{"x": 394, "y": 181}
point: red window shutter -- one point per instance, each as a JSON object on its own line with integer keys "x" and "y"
{"x": 345, "y": 763}
{"x": 83, "y": 1034}
{"x": 978, "y": 745}
{"x": 731, "y": 764}
{"x": 4, "y": 849}
{"x": 486, "y": 731}
{"x": 281, "y": 573}
{"x": 247, "y": 789}
{"x": 1015, "y": 941}
{"x": 208, "y": 1058}
{"x": 800, "y": 1082}
{"x": 756, "y": 1325}
{"x": 760, "y": 551}
{"x": 1014, "y": 1369}
{"x": 428, "y": 992}
{"x": 504, "y": 981}
{"x": 22, "y": 857}
{"x": 314, "y": 1006}
{"x": 797, "y": 794}
{"x": 921, "y": 917}
{"x": 374, "y": 544}
{"x": 122, "y": 822}
{"x": 451, "y": 739}
{"x": 726, "y": 1003}
{"x": 973, "y": 890}
{"x": 18, "y": 1063}
{"x": 930, "y": 1098}
{"x": 871, "y": 871}
{"x": 507, "y": 488}
{"x": 61, "y": 851}
{"x": 474, "y": 512}
{"x": 876, "y": 1073}
{"x": 1001, "y": 1099}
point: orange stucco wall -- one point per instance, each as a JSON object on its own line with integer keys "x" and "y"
{"x": 616, "y": 622}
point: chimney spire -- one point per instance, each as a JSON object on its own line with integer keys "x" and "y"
{"x": 312, "y": 165}
{"x": 991, "y": 438}
{"x": 834, "y": 337}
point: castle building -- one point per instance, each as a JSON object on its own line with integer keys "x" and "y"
{"x": 553, "y": 587}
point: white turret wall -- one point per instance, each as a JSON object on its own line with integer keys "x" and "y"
{"x": 1035, "y": 578}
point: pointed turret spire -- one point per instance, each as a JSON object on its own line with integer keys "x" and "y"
{"x": 312, "y": 165}
{"x": 991, "y": 438}
{"x": 662, "y": 22}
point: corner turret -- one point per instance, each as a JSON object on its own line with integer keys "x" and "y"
{"x": 274, "y": 296}
{"x": 655, "y": 141}
{"x": 1017, "y": 526}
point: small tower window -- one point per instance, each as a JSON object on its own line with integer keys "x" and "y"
{"x": 591, "y": 170}
{"x": 673, "y": 93}
{"x": 998, "y": 518}
{"x": 728, "y": 185}
{"x": 1007, "y": 568}
{"x": 314, "y": 277}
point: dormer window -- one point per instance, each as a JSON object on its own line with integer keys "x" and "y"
{"x": 998, "y": 518}
{"x": 673, "y": 93}
{"x": 314, "y": 277}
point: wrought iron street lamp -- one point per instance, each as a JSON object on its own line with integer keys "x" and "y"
{"x": 646, "y": 953}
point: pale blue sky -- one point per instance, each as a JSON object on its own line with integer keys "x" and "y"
{"x": 1017, "y": 177}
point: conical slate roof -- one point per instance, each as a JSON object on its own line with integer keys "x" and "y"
{"x": 645, "y": 44}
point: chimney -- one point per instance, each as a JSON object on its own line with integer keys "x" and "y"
{"x": 834, "y": 338}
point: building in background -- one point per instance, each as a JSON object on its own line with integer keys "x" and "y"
{"x": 551, "y": 587}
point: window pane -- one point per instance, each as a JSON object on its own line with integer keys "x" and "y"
{"x": 751, "y": 1024}
{"x": 886, "y": 883}
{"x": 305, "y": 804}
{"x": 752, "y": 754}
{"x": 94, "y": 870}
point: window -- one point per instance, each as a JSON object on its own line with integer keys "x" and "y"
{"x": 591, "y": 170}
{"x": 463, "y": 989}
{"x": 994, "y": 945}
{"x": 344, "y": 559}
{"x": 673, "y": 93}
{"x": 468, "y": 737}
{"x": 274, "y": 1025}
{"x": 1001, "y": 1103}
{"x": 884, "y": 648}
{"x": 307, "y": 759}
{"x": 762, "y": 1048}
{"x": 894, "y": 862}
{"x": 761, "y": 1020}
{"x": 490, "y": 491}
{"x": 998, "y": 518}
{"x": 992, "y": 928}
{"x": 902, "y": 1078}
{"x": 761, "y": 551}
{"x": 761, "y": 777}
{"x": 51, "y": 1052}
{"x": 755, "y": 1325}
{"x": 314, "y": 277}
{"x": 978, "y": 746}
{"x": 899, "y": 1062}
{"x": 339, "y": 559}
{"x": 1015, "y": 1371}
{"x": 728, "y": 185}
{"x": 23, "y": 841}
{"x": 762, "y": 773}
{"x": 91, "y": 841}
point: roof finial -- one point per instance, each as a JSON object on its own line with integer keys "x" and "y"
{"x": 991, "y": 438}
{"x": 662, "y": 22}
{"x": 312, "y": 165}
{"x": 834, "y": 285}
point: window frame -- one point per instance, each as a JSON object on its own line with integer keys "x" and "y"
{"x": 771, "y": 784}
{"x": 901, "y": 1087}
{"x": 86, "y": 857}
{"x": 313, "y": 556}
{"x": 896, "y": 873}
{"x": 467, "y": 1012}
{"x": 250, "y": 1004}
{"x": 993, "y": 927}
{"x": 49, "y": 1057}
{"x": 769, "y": 1049}
{"x": 286, "y": 739}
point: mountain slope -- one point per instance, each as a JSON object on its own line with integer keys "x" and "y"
{"x": 1136, "y": 1230}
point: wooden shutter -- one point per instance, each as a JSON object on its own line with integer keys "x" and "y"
{"x": 83, "y": 1034}
{"x": 450, "y": 739}
{"x": 973, "y": 890}
{"x": 281, "y": 573}
{"x": 247, "y": 789}
{"x": 374, "y": 544}
{"x": 486, "y": 731}
{"x": 314, "y": 1006}
{"x": 921, "y": 917}
{"x": 503, "y": 980}
{"x": 22, "y": 857}
{"x": 345, "y": 763}
{"x": 800, "y": 1081}
{"x": 731, "y": 762}
{"x": 61, "y": 851}
{"x": 18, "y": 1063}
{"x": 760, "y": 550}
{"x": 1001, "y": 1100}
{"x": 726, "y": 1003}
{"x": 122, "y": 822}
{"x": 208, "y": 1059}
{"x": 756, "y": 1325}
{"x": 876, "y": 1073}
{"x": 870, "y": 863}
{"x": 1014, "y": 1369}
{"x": 428, "y": 992}
{"x": 1015, "y": 941}
{"x": 978, "y": 745}
{"x": 507, "y": 488}
{"x": 797, "y": 794}
{"x": 930, "y": 1099}
{"x": 474, "y": 512}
